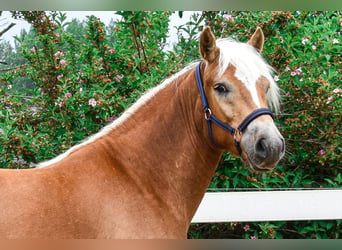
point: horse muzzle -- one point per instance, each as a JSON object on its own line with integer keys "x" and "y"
{"x": 262, "y": 146}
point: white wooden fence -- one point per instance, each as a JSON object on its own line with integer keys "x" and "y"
{"x": 270, "y": 206}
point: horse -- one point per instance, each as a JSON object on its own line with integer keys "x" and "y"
{"x": 144, "y": 175}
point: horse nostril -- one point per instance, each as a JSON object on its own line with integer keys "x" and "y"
{"x": 261, "y": 149}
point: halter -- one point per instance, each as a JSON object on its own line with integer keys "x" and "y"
{"x": 210, "y": 117}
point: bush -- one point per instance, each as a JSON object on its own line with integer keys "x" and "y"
{"x": 80, "y": 85}
{"x": 79, "y": 76}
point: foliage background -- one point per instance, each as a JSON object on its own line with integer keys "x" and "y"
{"x": 63, "y": 81}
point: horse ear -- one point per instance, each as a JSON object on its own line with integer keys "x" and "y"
{"x": 208, "y": 48}
{"x": 257, "y": 40}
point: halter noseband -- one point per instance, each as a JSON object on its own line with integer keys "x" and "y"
{"x": 210, "y": 117}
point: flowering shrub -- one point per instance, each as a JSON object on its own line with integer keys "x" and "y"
{"x": 82, "y": 81}
{"x": 80, "y": 85}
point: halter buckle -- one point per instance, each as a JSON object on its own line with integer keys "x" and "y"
{"x": 207, "y": 114}
{"x": 237, "y": 140}
{"x": 237, "y": 135}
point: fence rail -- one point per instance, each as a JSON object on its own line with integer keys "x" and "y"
{"x": 270, "y": 206}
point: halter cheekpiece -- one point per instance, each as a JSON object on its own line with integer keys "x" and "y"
{"x": 210, "y": 117}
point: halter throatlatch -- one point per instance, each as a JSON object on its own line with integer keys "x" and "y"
{"x": 210, "y": 117}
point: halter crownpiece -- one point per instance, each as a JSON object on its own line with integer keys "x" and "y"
{"x": 210, "y": 117}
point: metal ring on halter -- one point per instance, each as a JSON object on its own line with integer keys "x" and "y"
{"x": 207, "y": 114}
{"x": 237, "y": 135}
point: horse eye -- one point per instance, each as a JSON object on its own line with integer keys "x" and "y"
{"x": 220, "y": 88}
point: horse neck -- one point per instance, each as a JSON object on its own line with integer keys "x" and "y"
{"x": 168, "y": 145}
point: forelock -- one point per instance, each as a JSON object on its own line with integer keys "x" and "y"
{"x": 250, "y": 66}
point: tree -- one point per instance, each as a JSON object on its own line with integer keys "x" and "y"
{"x": 2, "y": 32}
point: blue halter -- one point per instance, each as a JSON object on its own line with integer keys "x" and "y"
{"x": 210, "y": 117}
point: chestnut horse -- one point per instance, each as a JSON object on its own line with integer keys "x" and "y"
{"x": 144, "y": 175}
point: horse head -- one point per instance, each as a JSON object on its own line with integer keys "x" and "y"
{"x": 239, "y": 88}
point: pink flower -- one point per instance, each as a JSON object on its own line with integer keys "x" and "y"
{"x": 297, "y": 72}
{"x": 59, "y": 77}
{"x": 62, "y": 62}
{"x": 61, "y": 103}
{"x": 112, "y": 118}
{"x": 321, "y": 152}
{"x": 246, "y": 228}
{"x": 229, "y": 18}
{"x": 337, "y": 90}
{"x": 118, "y": 78}
{"x": 68, "y": 95}
{"x": 59, "y": 54}
{"x": 253, "y": 237}
{"x": 111, "y": 51}
{"x": 33, "y": 50}
{"x": 293, "y": 73}
{"x": 288, "y": 94}
{"x": 92, "y": 102}
{"x": 304, "y": 40}
{"x": 330, "y": 99}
